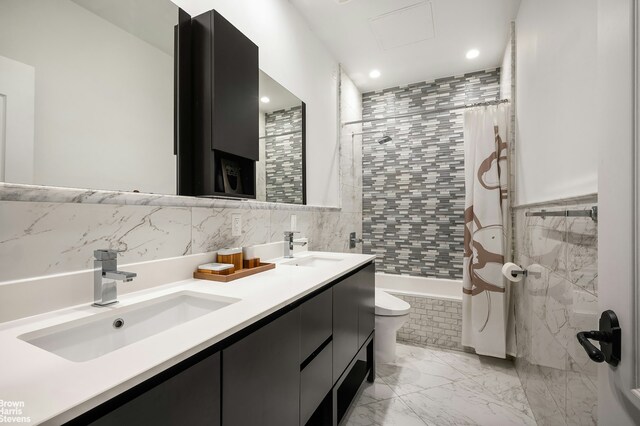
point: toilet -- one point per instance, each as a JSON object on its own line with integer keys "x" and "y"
{"x": 391, "y": 314}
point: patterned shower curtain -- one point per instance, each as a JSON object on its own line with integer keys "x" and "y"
{"x": 484, "y": 303}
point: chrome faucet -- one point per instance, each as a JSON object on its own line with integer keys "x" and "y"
{"x": 105, "y": 276}
{"x": 289, "y": 243}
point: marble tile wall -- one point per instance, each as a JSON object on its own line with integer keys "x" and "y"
{"x": 350, "y": 218}
{"x": 413, "y": 186}
{"x": 558, "y": 299}
{"x": 283, "y": 164}
{"x": 41, "y": 237}
{"x": 433, "y": 322}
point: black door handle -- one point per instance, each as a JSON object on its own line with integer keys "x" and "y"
{"x": 609, "y": 337}
{"x": 594, "y": 353}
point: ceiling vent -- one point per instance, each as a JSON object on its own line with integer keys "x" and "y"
{"x": 409, "y": 25}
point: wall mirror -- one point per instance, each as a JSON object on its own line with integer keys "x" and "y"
{"x": 87, "y": 101}
{"x": 88, "y": 91}
{"x": 280, "y": 173}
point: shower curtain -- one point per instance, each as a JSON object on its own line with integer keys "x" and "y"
{"x": 484, "y": 299}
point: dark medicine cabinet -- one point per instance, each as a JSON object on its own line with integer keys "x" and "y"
{"x": 216, "y": 108}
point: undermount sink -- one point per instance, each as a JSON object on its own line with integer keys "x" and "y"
{"x": 313, "y": 261}
{"x": 89, "y": 338}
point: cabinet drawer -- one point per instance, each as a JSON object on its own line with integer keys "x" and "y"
{"x": 315, "y": 383}
{"x": 315, "y": 323}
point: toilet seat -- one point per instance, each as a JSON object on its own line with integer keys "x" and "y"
{"x": 390, "y": 306}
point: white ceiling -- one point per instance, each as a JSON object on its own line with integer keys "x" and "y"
{"x": 424, "y": 40}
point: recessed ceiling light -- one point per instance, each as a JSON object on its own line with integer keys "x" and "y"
{"x": 265, "y": 100}
{"x": 374, "y": 74}
{"x": 473, "y": 53}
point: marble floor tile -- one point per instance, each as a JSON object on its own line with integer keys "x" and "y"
{"x": 404, "y": 380}
{"x": 472, "y": 365}
{"x": 441, "y": 387}
{"x": 464, "y": 403}
{"x": 388, "y": 412}
{"x": 517, "y": 398}
{"x": 499, "y": 382}
{"x": 417, "y": 352}
{"x": 417, "y": 368}
{"x": 374, "y": 392}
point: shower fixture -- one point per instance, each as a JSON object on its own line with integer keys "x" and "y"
{"x": 383, "y": 139}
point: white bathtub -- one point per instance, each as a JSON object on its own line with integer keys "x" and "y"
{"x": 434, "y": 288}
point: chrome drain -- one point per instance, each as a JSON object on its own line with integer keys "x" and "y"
{"x": 118, "y": 323}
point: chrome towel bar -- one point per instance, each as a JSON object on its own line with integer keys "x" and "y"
{"x": 592, "y": 213}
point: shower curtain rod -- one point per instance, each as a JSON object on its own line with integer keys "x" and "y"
{"x": 433, "y": 111}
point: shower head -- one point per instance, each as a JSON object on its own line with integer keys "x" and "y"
{"x": 385, "y": 139}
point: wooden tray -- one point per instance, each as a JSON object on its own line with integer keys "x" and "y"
{"x": 240, "y": 273}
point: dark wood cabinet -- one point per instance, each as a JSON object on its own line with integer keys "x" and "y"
{"x": 224, "y": 105}
{"x": 316, "y": 352}
{"x": 366, "y": 302}
{"x": 235, "y": 97}
{"x": 315, "y": 383}
{"x": 261, "y": 375}
{"x": 191, "y": 397}
{"x": 345, "y": 324}
{"x": 301, "y": 365}
{"x": 353, "y": 316}
{"x": 315, "y": 323}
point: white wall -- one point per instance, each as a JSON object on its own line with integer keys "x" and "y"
{"x": 17, "y": 96}
{"x": 103, "y": 98}
{"x": 555, "y": 99}
{"x": 293, "y": 56}
{"x": 505, "y": 72}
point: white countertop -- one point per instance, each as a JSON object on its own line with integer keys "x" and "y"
{"x": 55, "y": 390}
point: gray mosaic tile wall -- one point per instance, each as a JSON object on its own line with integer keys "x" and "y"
{"x": 413, "y": 186}
{"x": 284, "y": 156}
{"x": 434, "y": 322}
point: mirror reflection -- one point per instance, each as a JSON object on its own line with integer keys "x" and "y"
{"x": 87, "y": 101}
{"x": 88, "y": 91}
{"x": 280, "y": 173}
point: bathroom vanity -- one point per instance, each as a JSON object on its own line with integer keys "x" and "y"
{"x": 290, "y": 346}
